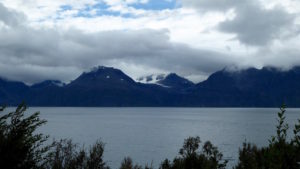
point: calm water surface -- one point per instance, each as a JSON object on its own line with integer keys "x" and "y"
{"x": 149, "y": 135}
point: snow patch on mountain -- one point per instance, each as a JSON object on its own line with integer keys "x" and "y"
{"x": 151, "y": 79}
{"x": 58, "y": 83}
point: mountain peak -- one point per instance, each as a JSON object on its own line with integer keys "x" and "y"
{"x": 175, "y": 81}
{"x": 171, "y": 80}
{"x": 48, "y": 83}
{"x": 173, "y": 75}
{"x": 102, "y": 75}
{"x": 152, "y": 79}
{"x": 99, "y": 68}
{"x": 106, "y": 86}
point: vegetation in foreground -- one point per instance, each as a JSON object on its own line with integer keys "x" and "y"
{"x": 281, "y": 153}
{"x": 22, "y": 148}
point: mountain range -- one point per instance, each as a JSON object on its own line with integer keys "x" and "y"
{"x": 110, "y": 87}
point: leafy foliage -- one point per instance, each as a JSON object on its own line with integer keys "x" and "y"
{"x": 279, "y": 154}
{"x": 67, "y": 155}
{"x": 128, "y": 164}
{"x": 190, "y": 158}
{"x": 20, "y": 146}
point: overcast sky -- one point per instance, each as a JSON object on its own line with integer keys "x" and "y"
{"x": 59, "y": 39}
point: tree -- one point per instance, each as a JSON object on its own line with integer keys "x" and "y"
{"x": 128, "y": 164}
{"x": 190, "y": 158}
{"x": 20, "y": 146}
{"x": 281, "y": 153}
{"x": 67, "y": 155}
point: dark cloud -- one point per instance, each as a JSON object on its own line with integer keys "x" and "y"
{"x": 9, "y": 17}
{"x": 32, "y": 55}
{"x": 284, "y": 57}
{"x": 253, "y": 24}
{"x": 256, "y": 26}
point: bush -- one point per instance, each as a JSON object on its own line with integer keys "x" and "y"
{"x": 128, "y": 164}
{"x": 20, "y": 147}
{"x": 190, "y": 158}
{"x": 66, "y": 155}
{"x": 279, "y": 154}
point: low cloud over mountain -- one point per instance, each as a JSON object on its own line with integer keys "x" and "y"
{"x": 60, "y": 39}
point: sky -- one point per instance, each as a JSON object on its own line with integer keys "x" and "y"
{"x": 59, "y": 39}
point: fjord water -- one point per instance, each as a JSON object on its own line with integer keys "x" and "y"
{"x": 149, "y": 135}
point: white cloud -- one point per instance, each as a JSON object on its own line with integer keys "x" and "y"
{"x": 28, "y": 49}
{"x": 254, "y": 23}
{"x": 193, "y": 40}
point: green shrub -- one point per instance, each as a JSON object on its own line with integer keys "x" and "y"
{"x": 190, "y": 158}
{"x": 279, "y": 154}
{"x": 67, "y": 155}
{"x": 20, "y": 146}
{"x": 128, "y": 164}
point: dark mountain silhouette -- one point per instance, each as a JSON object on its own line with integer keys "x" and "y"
{"x": 48, "y": 83}
{"x": 12, "y": 92}
{"x": 103, "y": 77}
{"x": 174, "y": 81}
{"x": 105, "y": 86}
{"x": 251, "y": 87}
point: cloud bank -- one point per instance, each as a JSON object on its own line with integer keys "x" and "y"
{"x": 31, "y": 55}
{"x": 60, "y": 39}
{"x": 252, "y": 24}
